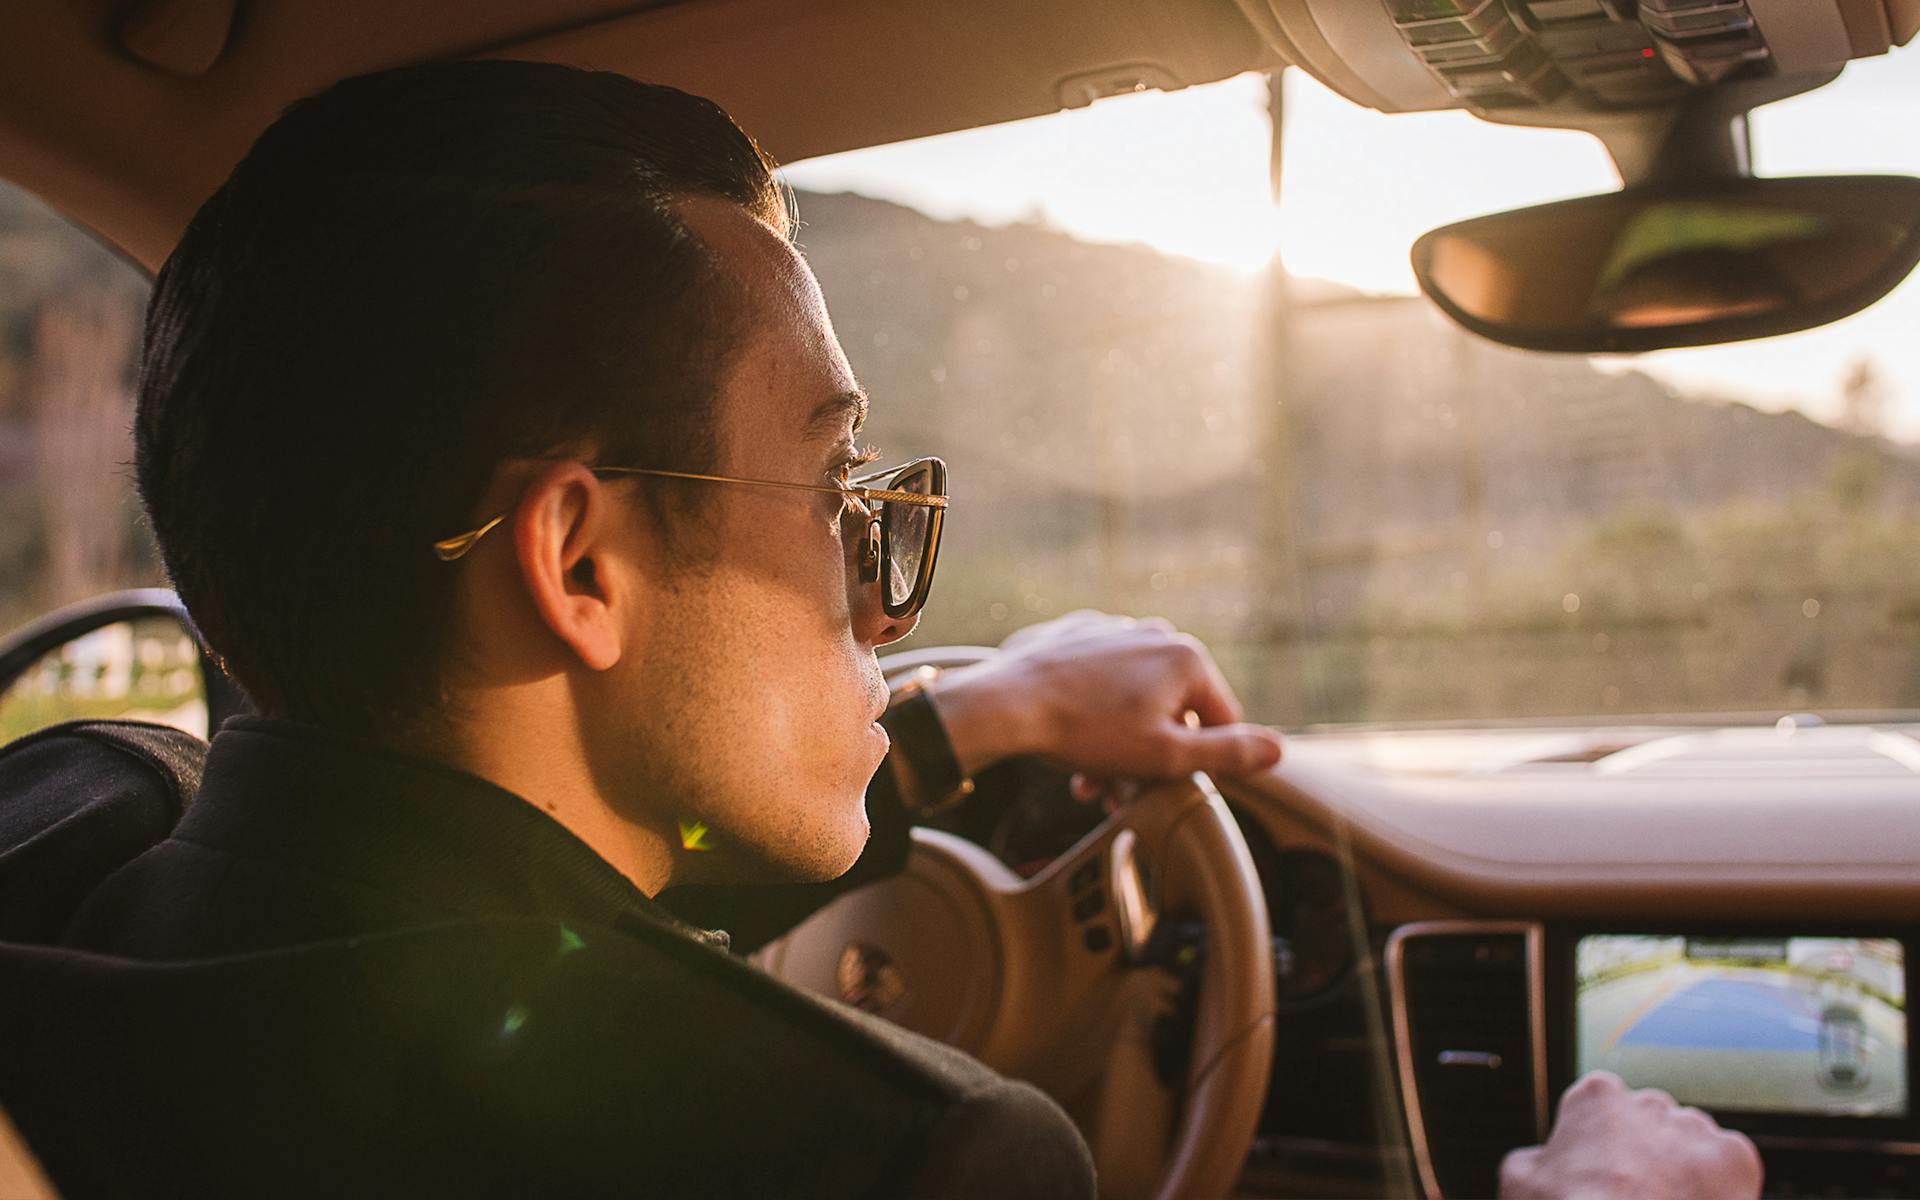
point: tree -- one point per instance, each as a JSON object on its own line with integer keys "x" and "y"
{"x": 81, "y": 409}
{"x": 69, "y": 317}
{"x": 1863, "y": 398}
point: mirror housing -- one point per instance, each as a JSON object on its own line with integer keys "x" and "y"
{"x": 1682, "y": 262}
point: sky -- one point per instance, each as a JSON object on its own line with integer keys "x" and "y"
{"x": 1187, "y": 173}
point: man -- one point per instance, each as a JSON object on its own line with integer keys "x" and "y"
{"x": 497, "y": 438}
{"x": 495, "y": 435}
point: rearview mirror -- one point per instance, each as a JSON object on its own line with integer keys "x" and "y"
{"x": 1676, "y": 264}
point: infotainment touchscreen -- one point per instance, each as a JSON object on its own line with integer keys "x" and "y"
{"x": 1804, "y": 1025}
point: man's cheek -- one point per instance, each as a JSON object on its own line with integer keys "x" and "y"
{"x": 803, "y": 665}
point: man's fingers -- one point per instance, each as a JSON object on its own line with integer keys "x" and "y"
{"x": 1592, "y": 1086}
{"x": 1745, "y": 1155}
{"x": 1080, "y": 623}
{"x": 1516, "y": 1172}
{"x": 1224, "y": 750}
{"x": 1612, "y": 1142}
{"x": 1085, "y": 614}
{"x": 1110, "y": 792}
{"x": 1085, "y": 788}
{"x": 1208, "y": 693}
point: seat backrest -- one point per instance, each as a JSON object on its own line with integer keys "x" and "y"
{"x": 77, "y": 802}
{"x": 473, "y": 1058}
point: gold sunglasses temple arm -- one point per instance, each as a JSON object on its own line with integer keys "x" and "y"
{"x": 449, "y": 549}
{"x": 453, "y": 548}
{"x": 772, "y": 483}
{"x": 891, "y": 497}
{"x": 864, "y": 493}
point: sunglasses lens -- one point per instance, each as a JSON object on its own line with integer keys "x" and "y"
{"x": 907, "y": 529}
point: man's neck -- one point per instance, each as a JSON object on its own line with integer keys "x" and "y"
{"x": 516, "y": 743}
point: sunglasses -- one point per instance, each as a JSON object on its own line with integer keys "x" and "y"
{"x": 899, "y": 531}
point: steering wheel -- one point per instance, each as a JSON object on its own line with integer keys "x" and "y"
{"x": 1060, "y": 979}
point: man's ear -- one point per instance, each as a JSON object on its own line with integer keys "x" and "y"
{"x": 561, "y": 531}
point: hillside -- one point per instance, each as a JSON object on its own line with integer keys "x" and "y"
{"x": 1373, "y": 513}
{"x": 1020, "y": 348}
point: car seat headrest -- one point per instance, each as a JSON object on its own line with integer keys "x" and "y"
{"x": 77, "y": 802}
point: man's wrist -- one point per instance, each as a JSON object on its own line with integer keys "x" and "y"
{"x": 986, "y": 715}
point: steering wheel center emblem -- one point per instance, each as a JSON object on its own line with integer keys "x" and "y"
{"x": 868, "y": 979}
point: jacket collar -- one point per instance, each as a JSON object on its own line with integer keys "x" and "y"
{"x": 436, "y": 838}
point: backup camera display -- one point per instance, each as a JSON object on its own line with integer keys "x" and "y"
{"x": 1803, "y": 1025}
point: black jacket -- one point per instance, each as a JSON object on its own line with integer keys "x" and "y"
{"x": 351, "y": 971}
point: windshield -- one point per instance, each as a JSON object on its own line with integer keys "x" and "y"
{"x": 1369, "y": 514}
{"x": 1160, "y": 393}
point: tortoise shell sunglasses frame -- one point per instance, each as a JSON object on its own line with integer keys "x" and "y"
{"x": 876, "y": 505}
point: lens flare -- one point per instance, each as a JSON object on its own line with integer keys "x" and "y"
{"x": 693, "y": 836}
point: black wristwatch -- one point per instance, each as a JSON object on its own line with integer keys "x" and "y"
{"x": 929, "y": 774}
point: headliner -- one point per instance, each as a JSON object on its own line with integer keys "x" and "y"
{"x": 130, "y": 149}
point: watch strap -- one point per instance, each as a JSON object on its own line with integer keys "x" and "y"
{"x": 925, "y": 765}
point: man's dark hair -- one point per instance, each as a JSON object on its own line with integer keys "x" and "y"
{"x": 410, "y": 278}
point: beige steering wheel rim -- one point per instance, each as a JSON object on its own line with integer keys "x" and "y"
{"x": 960, "y": 948}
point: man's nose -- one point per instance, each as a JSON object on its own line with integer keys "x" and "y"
{"x": 871, "y": 624}
{"x": 890, "y": 629}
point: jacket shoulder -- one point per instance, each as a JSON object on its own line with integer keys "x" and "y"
{"x": 1008, "y": 1140}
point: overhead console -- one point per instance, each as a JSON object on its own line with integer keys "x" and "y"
{"x": 1796, "y": 1036}
{"x": 1495, "y": 57}
{"x": 1502, "y": 58}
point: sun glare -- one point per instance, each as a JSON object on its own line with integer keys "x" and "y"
{"x": 1184, "y": 172}
{"x": 1187, "y": 174}
{"x": 1362, "y": 186}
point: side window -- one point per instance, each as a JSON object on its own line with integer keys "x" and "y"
{"x": 70, "y": 314}
{"x": 144, "y": 670}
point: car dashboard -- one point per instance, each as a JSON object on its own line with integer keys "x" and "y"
{"x": 1722, "y": 911}
{"x": 1465, "y": 921}
{"x": 1794, "y": 1033}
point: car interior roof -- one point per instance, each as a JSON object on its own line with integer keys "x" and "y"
{"x": 125, "y": 116}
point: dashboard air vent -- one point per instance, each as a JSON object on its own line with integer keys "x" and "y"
{"x": 1469, "y": 1034}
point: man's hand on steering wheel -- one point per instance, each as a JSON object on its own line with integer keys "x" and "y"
{"x": 1045, "y": 989}
{"x": 1106, "y": 696}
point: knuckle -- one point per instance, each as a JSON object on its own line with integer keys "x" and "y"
{"x": 1517, "y": 1170}
{"x": 1186, "y": 653}
{"x": 1740, "y": 1152}
{"x": 1081, "y": 614}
